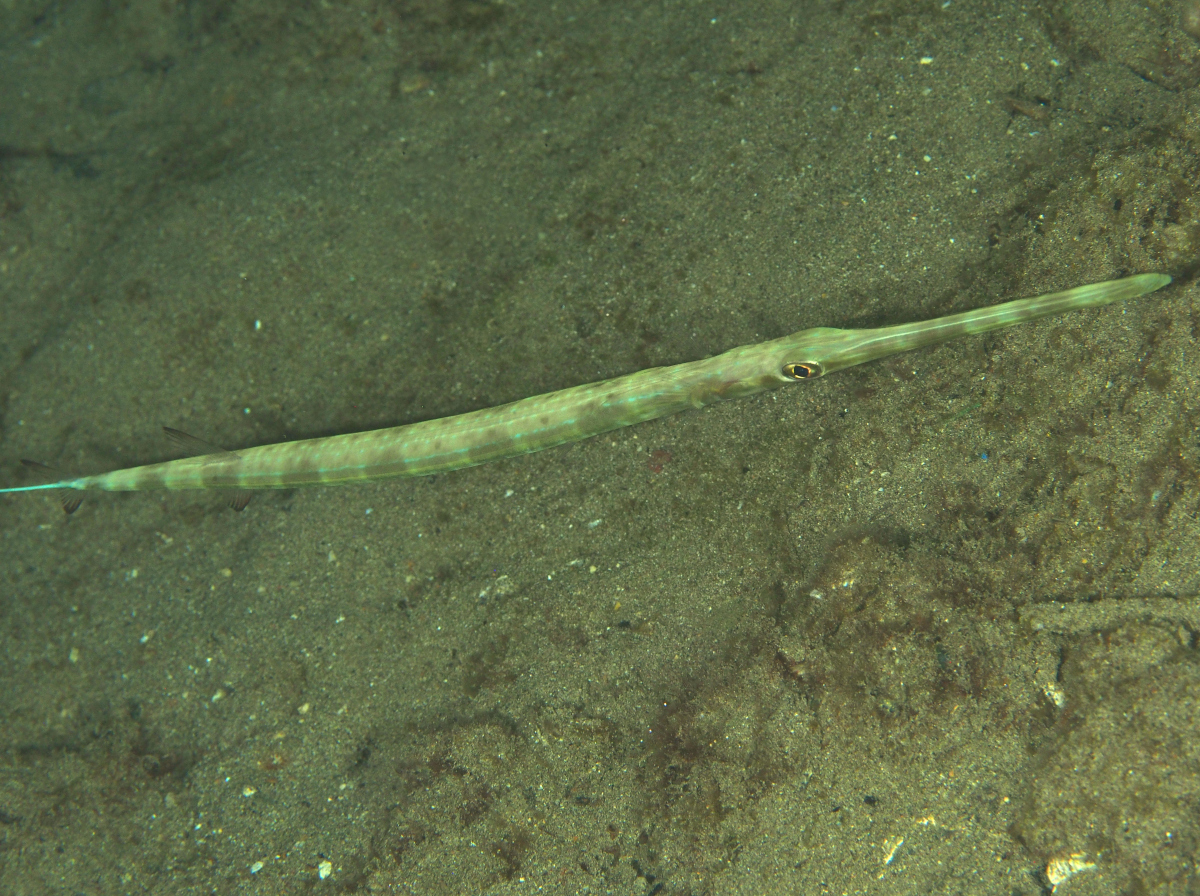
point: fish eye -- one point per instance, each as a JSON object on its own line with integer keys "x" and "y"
{"x": 804, "y": 370}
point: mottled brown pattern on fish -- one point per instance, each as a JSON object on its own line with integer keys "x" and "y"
{"x": 544, "y": 421}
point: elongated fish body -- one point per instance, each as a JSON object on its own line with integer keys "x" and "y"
{"x": 569, "y": 415}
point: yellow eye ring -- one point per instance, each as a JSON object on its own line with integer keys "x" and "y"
{"x": 803, "y": 370}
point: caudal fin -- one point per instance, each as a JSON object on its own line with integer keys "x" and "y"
{"x": 69, "y": 500}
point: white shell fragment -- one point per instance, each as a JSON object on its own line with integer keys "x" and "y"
{"x": 1054, "y": 694}
{"x": 1064, "y": 867}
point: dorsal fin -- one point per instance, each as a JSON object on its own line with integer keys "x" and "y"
{"x": 212, "y": 454}
{"x": 40, "y": 467}
{"x": 195, "y": 445}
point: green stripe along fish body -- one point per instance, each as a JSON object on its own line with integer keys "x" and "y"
{"x": 569, "y": 415}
